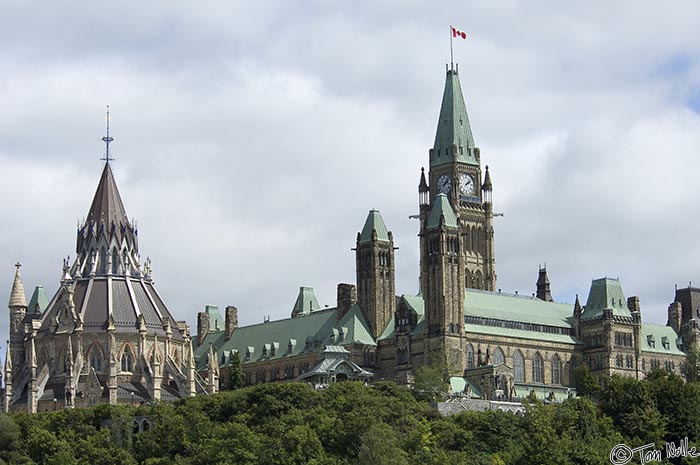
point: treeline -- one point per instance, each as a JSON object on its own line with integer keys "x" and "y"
{"x": 349, "y": 423}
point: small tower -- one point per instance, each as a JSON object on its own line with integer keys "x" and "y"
{"x": 443, "y": 282}
{"x": 376, "y": 285}
{"x": 18, "y": 310}
{"x": 543, "y": 291}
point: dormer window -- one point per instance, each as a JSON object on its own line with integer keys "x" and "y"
{"x": 665, "y": 343}
{"x": 651, "y": 341}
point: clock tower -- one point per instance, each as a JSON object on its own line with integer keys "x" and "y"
{"x": 455, "y": 171}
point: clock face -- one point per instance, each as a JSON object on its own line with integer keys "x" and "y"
{"x": 466, "y": 184}
{"x": 444, "y": 184}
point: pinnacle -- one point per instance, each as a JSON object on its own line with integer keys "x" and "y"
{"x": 17, "y": 296}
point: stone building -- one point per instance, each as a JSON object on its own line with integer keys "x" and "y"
{"x": 502, "y": 346}
{"x": 106, "y": 336}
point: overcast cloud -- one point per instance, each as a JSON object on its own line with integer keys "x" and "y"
{"x": 252, "y": 138}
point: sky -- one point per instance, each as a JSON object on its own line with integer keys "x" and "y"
{"x": 252, "y": 138}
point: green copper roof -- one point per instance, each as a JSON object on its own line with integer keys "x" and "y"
{"x": 39, "y": 301}
{"x": 510, "y": 307}
{"x": 288, "y": 337}
{"x": 458, "y": 385}
{"x": 306, "y": 301}
{"x": 653, "y": 340}
{"x": 417, "y": 304}
{"x": 605, "y": 293}
{"x": 441, "y": 206}
{"x": 374, "y": 222}
{"x": 216, "y": 323}
{"x": 519, "y": 333}
{"x": 453, "y": 126}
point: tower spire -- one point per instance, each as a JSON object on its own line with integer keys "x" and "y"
{"x": 107, "y": 139}
{"x": 17, "y": 295}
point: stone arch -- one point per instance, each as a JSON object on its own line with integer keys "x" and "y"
{"x": 557, "y": 370}
{"x": 518, "y": 366}
{"x": 498, "y": 356}
{"x": 96, "y": 357}
{"x": 127, "y": 358}
{"x": 478, "y": 280}
{"x": 537, "y": 368}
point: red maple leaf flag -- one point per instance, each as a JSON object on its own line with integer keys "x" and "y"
{"x": 458, "y": 33}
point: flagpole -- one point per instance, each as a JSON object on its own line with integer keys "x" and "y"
{"x": 452, "y": 66}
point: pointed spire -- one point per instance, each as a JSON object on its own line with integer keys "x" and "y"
{"x": 488, "y": 185}
{"x": 543, "y": 291}
{"x": 107, "y": 206}
{"x": 423, "y": 184}
{"x": 577, "y": 306}
{"x": 453, "y": 139}
{"x": 8, "y": 363}
{"x": 17, "y": 295}
{"x": 423, "y": 190}
{"x": 442, "y": 213}
{"x": 374, "y": 224}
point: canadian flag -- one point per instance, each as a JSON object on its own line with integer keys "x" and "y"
{"x": 458, "y": 33}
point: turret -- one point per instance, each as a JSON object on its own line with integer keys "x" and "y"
{"x": 543, "y": 291}
{"x": 376, "y": 285}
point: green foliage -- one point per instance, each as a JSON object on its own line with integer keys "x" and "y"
{"x": 432, "y": 381}
{"x": 235, "y": 374}
{"x": 585, "y": 383}
{"x": 691, "y": 367}
{"x": 350, "y": 423}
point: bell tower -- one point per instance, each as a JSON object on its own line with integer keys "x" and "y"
{"x": 455, "y": 171}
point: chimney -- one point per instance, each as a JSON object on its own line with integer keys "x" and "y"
{"x": 202, "y": 327}
{"x": 633, "y": 304}
{"x": 347, "y": 296}
{"x": 675, "y": 312}
{"x": 231, "y": 321}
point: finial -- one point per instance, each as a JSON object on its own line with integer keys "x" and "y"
{"x": 107, "y": 139}
{"x": 18, "y": 265}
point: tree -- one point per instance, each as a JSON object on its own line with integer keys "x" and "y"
{"x": 235, "y": 374}
{"x": 432, "y": 381}
{"x": 585, "y": 382}
{"x": 380, "y": 446}
{"x": 691, "y": 367}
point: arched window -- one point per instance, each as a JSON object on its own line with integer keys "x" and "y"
{"x": 96, "y": 358}
{"x": 103, "y": 260}
{"x": 557, "y": 370}
{"x": 115, "y": 261}
{"x": 478, "y": 280}
{"x": 537, "y": 369}
{"x": 127, "y": 359}
{"x": 498, "y": 357}
{"x": 518, "y": 367}
{"x": 470, "y": 356}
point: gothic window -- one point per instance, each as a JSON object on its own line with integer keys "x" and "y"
{"x": 498, "y": 357}
{"x": 537, "y": 369}
{"x": 470, "y": 356}
{"x": 466, "y": 279}
{"x": 96, "y": 358}
{"x": 127, "y": 359}
{"x": 557, "y": 370}
{"x": 619, "y": 361}
{"x": 477, "y": 280}
{"x": 519, "y": 367}
{"x": 103, "y": 260}
{"x": 115, "y": 261}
